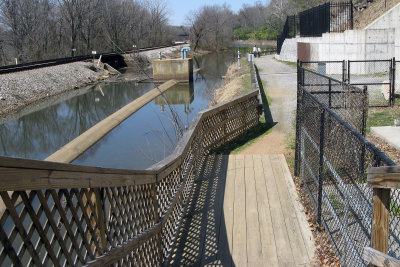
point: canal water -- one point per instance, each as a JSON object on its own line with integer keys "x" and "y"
{"x": 145, "y": 138}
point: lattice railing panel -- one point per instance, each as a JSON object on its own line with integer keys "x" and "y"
{"x": 49, "y": 227}
{"x": 129, "y": 211}
{"x": 129, "y": 218}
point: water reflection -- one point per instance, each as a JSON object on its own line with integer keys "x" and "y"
{"x": 181, "y": 94}
{"x": 146, "y": 137}
{"x": 41, "y": 133}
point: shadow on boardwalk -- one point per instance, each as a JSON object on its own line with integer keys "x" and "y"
{"x": 203, "y": 238}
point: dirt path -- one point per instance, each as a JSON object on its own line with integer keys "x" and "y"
{"x": 280, "y": 85}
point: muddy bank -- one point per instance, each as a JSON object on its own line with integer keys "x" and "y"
{"x": 235, "y": 80}
{"x": 20, "y": 89}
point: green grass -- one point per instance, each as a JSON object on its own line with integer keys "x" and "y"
{"x": 336, "y": 204}
{"x": 246, "y": 78}
{"x": 244, "y": 140}
{"x": 382, "y": 117}
{"x": 289, "y": 63}
{"x": 252, "y": 135}
{"x": 395, "y": 209}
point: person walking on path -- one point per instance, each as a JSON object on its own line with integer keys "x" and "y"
{"x": 259, "y": 52}
{"x": 255, "y": 51}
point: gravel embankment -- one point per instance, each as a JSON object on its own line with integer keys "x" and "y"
{"x": 22, "y": 88}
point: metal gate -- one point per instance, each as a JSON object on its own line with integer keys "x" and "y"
{"x": 377, "y": 75}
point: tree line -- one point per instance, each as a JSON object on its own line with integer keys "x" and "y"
{"x": 212, "y": 27}
{"x": 32, "y": 30}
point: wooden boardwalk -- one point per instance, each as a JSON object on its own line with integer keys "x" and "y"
{"x": 243, "y": 212}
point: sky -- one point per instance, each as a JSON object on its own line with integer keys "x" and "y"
{"x": 179, "y": 9}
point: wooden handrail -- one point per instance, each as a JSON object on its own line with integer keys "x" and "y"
{"x": 382, "y": 180}
{"x": 115, "y": 211}
{"x": 378, "y": 258}
{"x": 384, "y": 177}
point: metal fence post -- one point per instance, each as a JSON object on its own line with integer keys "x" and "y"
{"x": 390, "y": 83}
{"x": 330, "y": 93}
{"x": 321, "y": 164}
{"x": 348, "y": 71}
{"x": 298, "y": 123}
{"x": 343, "y": 71}
{"x": 351, "y": 15}
{"x": 393, "y": 81}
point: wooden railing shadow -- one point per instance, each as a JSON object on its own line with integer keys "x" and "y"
{"x": 64, "y": 214}
{"x": 203, "y": 238}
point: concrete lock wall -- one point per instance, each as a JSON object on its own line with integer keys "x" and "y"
{"x": 178, "y": 69}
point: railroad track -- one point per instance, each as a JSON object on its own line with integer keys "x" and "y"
{"x": 60, "y": 61}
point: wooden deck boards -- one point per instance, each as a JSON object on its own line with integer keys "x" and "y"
{"x": 244, "y": 213}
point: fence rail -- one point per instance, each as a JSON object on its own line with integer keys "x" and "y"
{"x": 332, "y": 157}
{"x": 380, "y": 76}
{"x": 61, "y": 214}
{"x": 328, "y": 17}
{"x": 290, "y": 29}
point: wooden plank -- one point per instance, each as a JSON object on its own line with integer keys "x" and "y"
{"x": 283, "y": 247}
{"x": 384, "y": 177}
{"x": 378, "y": 258}
{"x": 12, "y": 179}
{"x": 225, "y": 240}
{"x": 297, "y": 244}
{"x": 8, "y": 162}
{"x": 268, "y": 246}
{"x": 254, "y": 250}
{"x": 380, "y": 219}
{"x": 301, "y": 217}
{"x": 239, "y": 255}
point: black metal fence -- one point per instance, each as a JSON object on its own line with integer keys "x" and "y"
{"x": 329, "y": 17}
{"x": 331, "y": 158}
{"x": 380, "y": 76}
{"x": 290, "y": 29}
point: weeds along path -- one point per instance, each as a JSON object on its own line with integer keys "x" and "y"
{"x": 279, "y": 81}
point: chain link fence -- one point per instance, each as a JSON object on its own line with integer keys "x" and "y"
{"x": 332, "y": 157}
{"x": 377, "y": 75}
{"x": 380, "y": 77}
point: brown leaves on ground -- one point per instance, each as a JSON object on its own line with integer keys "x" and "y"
{"x": 388, "y": 150}
{"x": 324, "y": 249}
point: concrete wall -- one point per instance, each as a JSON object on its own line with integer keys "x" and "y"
{"x": 178, "y": 69}
{"x": 350, "y": 45}
{"x": 389, "y": 20}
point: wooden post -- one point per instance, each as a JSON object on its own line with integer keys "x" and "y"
{"x": 380, "y": 220}
{"x": 382, "y": 179}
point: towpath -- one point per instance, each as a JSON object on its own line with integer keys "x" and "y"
{"x": 280, "y": 85}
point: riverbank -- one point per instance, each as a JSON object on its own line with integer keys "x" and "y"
{"x": 237, "y": 82}
{"x": 20, "y": 89}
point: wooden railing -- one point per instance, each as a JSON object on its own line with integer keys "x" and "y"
{"x": 62, "y": 214}
{"x": 382, "y": 180}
